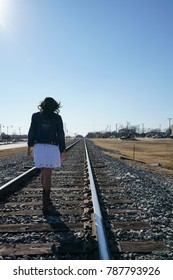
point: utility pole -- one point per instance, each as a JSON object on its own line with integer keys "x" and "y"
{"x": 143, "y": 128}
{"x": 20, "y": 132}
{"x": 116, "y": 127}
{"x": 169, "y": 119}
{"x": 0, "y": 132}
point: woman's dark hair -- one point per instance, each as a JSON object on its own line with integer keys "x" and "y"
{"x": 49, "y": 106}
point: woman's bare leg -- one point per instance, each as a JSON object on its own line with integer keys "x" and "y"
{"x": 46, "y": 182}
{"x": 46, "y": 178}
{"x": 42, "y": 176}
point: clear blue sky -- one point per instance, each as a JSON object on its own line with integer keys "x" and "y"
{"x": 107, "y": 61}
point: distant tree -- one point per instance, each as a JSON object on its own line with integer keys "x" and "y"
{"x": 5, "y": 136}
{"x": 79, "y": 136}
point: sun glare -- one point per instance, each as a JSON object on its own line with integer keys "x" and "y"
{"x": 4, "y": 8}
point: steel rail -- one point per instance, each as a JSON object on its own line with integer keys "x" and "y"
{"x": 14, "y": 183}
{"x": 100, "y": 230}
{"x": 11, "y": 185}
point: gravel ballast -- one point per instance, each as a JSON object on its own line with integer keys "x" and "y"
{"x": 152, "y": 193}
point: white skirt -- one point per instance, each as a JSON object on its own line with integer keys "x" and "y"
{"x": 47, "y": 156}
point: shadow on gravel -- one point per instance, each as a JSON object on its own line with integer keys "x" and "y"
{"x": 69, "y": 243}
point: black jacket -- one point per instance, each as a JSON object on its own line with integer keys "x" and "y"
{"x": 46, "y": 130}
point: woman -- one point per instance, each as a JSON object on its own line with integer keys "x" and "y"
{"x": 46, "y": 136}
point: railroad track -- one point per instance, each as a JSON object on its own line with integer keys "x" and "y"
{"x": 85, "y": 220}
{"x": 123, "y": 220}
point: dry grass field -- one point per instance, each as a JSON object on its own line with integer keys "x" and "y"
{"x": 12, "y": 151}
{"x": 150, "y": 151}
